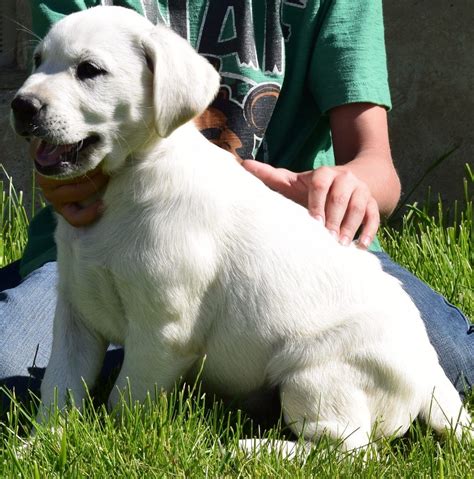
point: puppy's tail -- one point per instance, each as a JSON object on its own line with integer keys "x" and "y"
{"x": 443, "y": 409}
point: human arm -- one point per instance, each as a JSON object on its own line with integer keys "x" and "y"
{"x": 362, "y": 184}
{"x": 352, "y": 193}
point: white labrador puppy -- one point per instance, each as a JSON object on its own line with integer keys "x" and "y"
{"x": 195, "y": 257}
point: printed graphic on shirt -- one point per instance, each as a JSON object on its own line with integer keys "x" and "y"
{"x": 245, "y": 44}
{"x": 251, "y": 65}
{"x": 296, "y": 3}
{"x": 239, "y": 127}
{"x": 245, "y": 41}
{"x": 152, "y": 12}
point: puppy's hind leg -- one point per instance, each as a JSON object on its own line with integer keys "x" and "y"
{"x": 316, "y": 402}
{"x": 443, "y": 409}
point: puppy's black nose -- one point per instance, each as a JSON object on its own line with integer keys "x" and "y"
{"x": 25, "y": 110}
{"x": 26, "y": 106}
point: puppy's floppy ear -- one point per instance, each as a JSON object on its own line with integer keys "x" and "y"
{"x": 184, "y": 83}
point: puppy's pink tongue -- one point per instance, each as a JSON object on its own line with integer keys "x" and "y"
{"x": 48, "y": 154}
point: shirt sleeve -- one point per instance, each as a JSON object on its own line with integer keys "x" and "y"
{"x": 349, "y": 62}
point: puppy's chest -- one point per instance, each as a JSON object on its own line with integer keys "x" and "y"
{"x": 118, "y": 278}
{"x": 92, "y": 289}
{"x": 89, "y": 273}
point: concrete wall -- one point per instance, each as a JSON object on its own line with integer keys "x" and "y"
{"x": 431, "y": 65}
{"x": 13, "y": 150}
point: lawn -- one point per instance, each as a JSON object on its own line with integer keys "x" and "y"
{"x": 188, "y": 434}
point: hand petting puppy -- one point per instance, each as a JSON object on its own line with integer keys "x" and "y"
{"x": 333, "y": 195}
{"x": 352, "y": 196}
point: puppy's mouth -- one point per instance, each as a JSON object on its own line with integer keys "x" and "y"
{"x": 51, "y": 158}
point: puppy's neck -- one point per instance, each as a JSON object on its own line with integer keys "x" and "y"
{"x": 163, "y": 168}
{"x": 181, "y": 138}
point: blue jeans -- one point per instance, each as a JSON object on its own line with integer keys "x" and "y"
{"x": 27, "y": 310}
{"x": 26, "y": 327}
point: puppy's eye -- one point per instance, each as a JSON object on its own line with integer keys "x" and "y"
{"x": 87, "y": 70}
{"x": 37, "y": 60}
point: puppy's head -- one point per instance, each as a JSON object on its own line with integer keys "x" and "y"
{"x": 106, "y": 83}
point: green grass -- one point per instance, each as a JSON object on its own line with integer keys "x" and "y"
{"x": 189, "y": 435}
{"x": 179, "y": 436}
{"x": 437, "y": 246}
{"x": 13, "y": 220}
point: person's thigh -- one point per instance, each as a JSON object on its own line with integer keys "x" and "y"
{"x": 26, "y": 333}
{"x": 26, "y": 322}
{"x": 26, "y": 326}
{"x": 449, "y": 330}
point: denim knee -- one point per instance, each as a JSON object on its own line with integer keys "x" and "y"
{"x": 449, "y": 331}
{"x": 26, "y": 323}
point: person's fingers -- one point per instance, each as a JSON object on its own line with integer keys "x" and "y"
{"x": 320, "y": 184}
{"x": 79, "y": 216}
{"x": 332, "y": 195}
{"x": 271, "y": 176}
{"x": 63, "y": 193}
{"x": 354, "y": 216}
{"x": 337, "y": 201}
{"x": 371, "y": 224}
{"x": 284, "y": 181}
{"x": 64, "y": 196}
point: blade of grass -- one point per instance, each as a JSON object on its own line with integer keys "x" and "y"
{"x": 430, "y": 168}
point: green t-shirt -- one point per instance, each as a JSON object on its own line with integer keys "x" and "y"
{"x": 283, "y": 64}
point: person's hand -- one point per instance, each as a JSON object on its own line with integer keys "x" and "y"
{"x": 66, "y": 195}
{"x": 333, "y": 195}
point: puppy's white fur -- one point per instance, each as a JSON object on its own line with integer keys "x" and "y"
{"x": 194, "y": 256}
